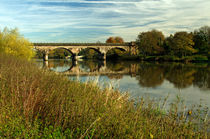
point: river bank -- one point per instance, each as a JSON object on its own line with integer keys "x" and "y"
{"x": 166, "y": 58}
{"x": 40, "y": 103}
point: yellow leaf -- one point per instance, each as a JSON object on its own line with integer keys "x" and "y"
{"x": 151, "y": 136}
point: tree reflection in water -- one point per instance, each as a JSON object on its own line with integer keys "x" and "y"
{"x": 148, "y": 74}
{"x": 202, "y": 78}
{"x": 91, "y": 65}
{"x": 180, "y": 75}
{"x": 116, "y": 65}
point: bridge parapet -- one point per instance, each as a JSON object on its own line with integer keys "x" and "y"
{"x": 82, "y": 44}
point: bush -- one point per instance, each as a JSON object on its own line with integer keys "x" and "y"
{"x": 11, "y": 42}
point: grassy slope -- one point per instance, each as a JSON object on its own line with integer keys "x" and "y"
{"x": 39, "y": 103}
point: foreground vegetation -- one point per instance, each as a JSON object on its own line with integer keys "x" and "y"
{"x": 36, "y": 103}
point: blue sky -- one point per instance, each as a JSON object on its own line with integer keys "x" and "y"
{"x": 96, "y": 20}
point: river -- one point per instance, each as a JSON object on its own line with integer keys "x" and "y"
{"x": 156, "y": 80}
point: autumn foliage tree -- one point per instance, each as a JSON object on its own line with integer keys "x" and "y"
{"x": 11, "y": 42}
{"x": 150, "y": 42}
{"x": 115, "y": 40}
{"x": 181, "y": 43}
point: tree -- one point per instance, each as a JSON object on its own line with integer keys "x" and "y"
{"x": 150, "y": 42}
{"x": 181, "y": 43}
{"x": 11, "y": 42}
{"x": 115, "y": 40}
{"x": 201, "y": 38}
{"x": 166, "y": 45}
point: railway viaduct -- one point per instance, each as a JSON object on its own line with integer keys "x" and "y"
{"x": 75, "y": 48}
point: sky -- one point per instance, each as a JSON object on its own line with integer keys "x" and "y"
{"x": 95, "y": 20}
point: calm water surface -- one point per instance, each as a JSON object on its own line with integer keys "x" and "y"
{"x": 157, "y": 80}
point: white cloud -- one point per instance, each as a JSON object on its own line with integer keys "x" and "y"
{"x": 124, "y": 18}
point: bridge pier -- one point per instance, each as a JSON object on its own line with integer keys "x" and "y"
{"x": 104, "y": 56}
{"x": 45, "y": 57}
{"x": 104, "y": 63}
{"x": 74, "y": 62}
{"x": 45, "y": 64}
{"x": 74, "y": 57}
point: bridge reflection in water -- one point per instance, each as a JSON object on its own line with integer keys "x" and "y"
{"x": 147, "y": 74}
{"x": 191, "y": 81}
{"x": 92, "y": 68}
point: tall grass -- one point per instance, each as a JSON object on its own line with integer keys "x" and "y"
{"x": 36, "y": 103}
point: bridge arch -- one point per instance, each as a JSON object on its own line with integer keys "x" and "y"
{"x": 90, "y": 52}
{"x": 63, "y": 49}
{"x": 116, "y": 52}
{"x": 61, "y": 52}
{"x": 60, "y": 67}
{"x": 118, "y": 48}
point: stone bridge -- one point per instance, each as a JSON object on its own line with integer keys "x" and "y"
{"x": 75, "y": 48}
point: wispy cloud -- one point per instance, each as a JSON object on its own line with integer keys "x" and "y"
{"x": 93, "y": 20}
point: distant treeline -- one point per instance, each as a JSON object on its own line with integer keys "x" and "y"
{"x": 179, "y": 44}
